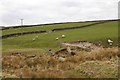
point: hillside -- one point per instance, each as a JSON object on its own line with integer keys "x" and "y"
{"x": 47, "y": 40}
{"x": 29, "y": 53}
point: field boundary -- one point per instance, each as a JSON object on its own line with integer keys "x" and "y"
{"x": 5, "y": 28}
{"x": 53, "y": 30}
{"x": 59, "y": 29}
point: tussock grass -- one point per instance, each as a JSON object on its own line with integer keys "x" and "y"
{"x": 96, "y": 64}
{"x": 106, "y": 53}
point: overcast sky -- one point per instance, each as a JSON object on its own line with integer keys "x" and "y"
{"x": 51, "y": 11}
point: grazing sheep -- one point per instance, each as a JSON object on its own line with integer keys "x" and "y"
{"x": 110, "y": 42}
{"x": 57, "y": 38}
{"x": 34, "y": 39}
{"x": 36, "y": 36}
{"x": 63, "y": 36}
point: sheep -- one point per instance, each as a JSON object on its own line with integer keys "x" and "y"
{"x": 36, "y": 36}
{"x": 110, "y": 42}
{"x": 57, "y": 38}
{"x": 34, "y": 39}
{"x": 63, "y": 36}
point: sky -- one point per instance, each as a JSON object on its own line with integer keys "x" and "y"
{"x": 55, "y": 11}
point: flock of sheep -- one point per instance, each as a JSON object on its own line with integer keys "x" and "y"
{"x": 110, "y": 42}
{"x": 63, "y": 36}
{"x": 57, "y": 38}
{"x": 30, "y": 60}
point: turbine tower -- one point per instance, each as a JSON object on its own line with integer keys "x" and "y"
{"x": 21, "y": 20}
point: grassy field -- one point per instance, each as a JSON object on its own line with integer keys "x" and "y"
{"x": 45, "y": 27}
{"x": 46, "y": 41}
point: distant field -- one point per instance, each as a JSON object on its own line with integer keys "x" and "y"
{"x": 47, "y": 41}
{"x": 45, "y": 27}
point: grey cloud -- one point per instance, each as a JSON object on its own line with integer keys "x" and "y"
{"x": 47, "y": 11}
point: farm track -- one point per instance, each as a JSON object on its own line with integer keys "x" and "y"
{"x": 56, "y": 29}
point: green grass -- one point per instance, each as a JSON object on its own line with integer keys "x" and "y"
{"x": 47, "y": 41}
{"x": 46, "y": 27}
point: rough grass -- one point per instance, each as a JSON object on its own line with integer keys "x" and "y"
{"x": 100, "y": 64}
{"x": 106, "y": 53}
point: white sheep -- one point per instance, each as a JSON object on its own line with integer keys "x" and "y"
{"x": 110, "y": 42}
{"x": 57, "y": 38}
{"x": 34, "y": 39}
{"x": 63, "y": 36}
{"x": 36, "y": 36}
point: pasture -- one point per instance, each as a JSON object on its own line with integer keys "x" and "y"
{"x": 47, "y": 41}
{"x": 44, "y": 27}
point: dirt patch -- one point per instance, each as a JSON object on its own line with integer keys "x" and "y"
{"x": 72, "y": 48}
{"x": 85, "y": 45}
